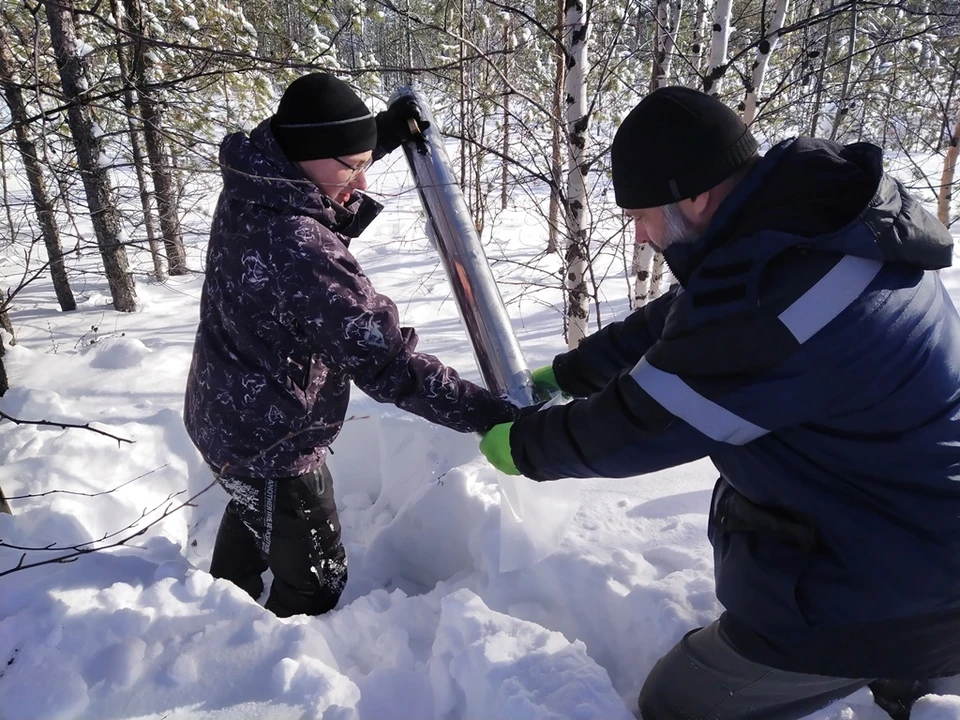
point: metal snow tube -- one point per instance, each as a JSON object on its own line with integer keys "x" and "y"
{"x": 454, "y": 235}
{"x": 534, "y": 517}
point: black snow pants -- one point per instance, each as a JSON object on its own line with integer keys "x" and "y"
{"x": 290, "y": 525}
{"x": 705, "y": 678}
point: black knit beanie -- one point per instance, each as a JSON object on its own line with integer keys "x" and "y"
{"x": 320, "y": 116}
{"x": 677, "y": 143}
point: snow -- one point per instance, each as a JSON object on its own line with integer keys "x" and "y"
{"x": 82, "y": 48}
{"x": 937, "y": 707}
{"x": 430, "y": 626}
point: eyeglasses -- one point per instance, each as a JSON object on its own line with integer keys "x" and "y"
{"x": 355, "y": 169}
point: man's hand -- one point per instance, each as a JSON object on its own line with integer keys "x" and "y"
{"x": 545, "y": 381}
{"x": 495, "y": 446}
{"x": 400, "y": 121}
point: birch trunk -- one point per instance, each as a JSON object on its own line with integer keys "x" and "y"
{"x": 676, "y": 12}
{"x": 945, "y": 197}
{"x": 818, "y": 95}
{"x": 504, "y": 174}
{"x": 771, "y": 38}
{"x": 576, "y": 39}
{"x": 644, "y": 263}
{"x": 848, "y": 70}
{"x": 668, "y": 21}
{"x": 661, "y": 29}
{"x": 656, "y": 276}
{"x": 646, "y": 268}
{"x": 696, "y": 47}
{"x": 464, "y": 145}
{"x": 718, "y": 47}
{"x": 556, "y": 163}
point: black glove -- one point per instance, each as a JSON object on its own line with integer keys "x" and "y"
{"x": 394, "y": 125}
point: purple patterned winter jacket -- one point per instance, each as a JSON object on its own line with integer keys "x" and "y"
{"x": 288, "y": 319}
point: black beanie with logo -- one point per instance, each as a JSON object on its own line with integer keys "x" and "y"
{"x": 675, "y": 144}
{"x": 320, "y": 116}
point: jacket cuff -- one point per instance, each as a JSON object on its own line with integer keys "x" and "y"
{"x": 566, "y": 372}
{"x": 525, "y": 423}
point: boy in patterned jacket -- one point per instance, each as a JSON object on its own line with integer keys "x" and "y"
{"x": 287, "y": 320}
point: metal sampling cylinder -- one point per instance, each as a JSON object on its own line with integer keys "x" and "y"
{"x": 454, "y": 235}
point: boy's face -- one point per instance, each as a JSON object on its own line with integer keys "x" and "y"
{"x": 339, "y": 177}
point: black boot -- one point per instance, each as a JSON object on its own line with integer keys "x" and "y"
{"x": 896, "y": 697}
{"x": 306, "y": 555}
{"x": 291, "y": 525}
{"x": 236, "y": 555}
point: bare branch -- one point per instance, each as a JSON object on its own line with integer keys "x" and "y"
{"x": 64, "y": 426}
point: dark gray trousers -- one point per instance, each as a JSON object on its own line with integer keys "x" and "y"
{"x": 704, "y": 678}
{"x": 291, "y": 526}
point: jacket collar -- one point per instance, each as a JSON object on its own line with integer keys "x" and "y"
{"x": 256, "y": 170}
{"x": 685, "y": 258}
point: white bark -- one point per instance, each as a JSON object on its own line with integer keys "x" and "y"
{"x": 945, "y": 197}
{"x": 646, "y": 268}
{"x": 771, "y": 38}
{"x": 676, "y": 12}
{"x": 575, "y": 39}
{"x": 642, "y": 269}
{"x": 851, "y": 47}
{"x": 661, "y": 16}
{"x": 718, "y": 47}
{"x": 656, "y": 276}
{"x": 668, "y": 20}
{"x": 699, "y": 36}
{"x": 557, "y": 132}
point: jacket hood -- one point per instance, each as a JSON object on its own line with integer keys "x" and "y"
{"x": 256, "y": 171}
{"x": 825, "y": 196}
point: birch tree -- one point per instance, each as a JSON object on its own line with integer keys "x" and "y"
{"x": 576, "y": 260}
{"x": 718, "y": 47}
{"x": 98, "y": 187}
{"x": 848, "y": 70}
{"x": 771, "y": 38}
{"x": 696, "y": 46}
{"x": 945, "y": 196}
{"x": 821, "y": 75}
{"x": 647, "y": 266}
{"x": 667, "y": 22}
{"x": 507, "y": 50}
{"x": 558, "y": 127}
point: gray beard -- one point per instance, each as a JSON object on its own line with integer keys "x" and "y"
{"x": 678, "y": 228}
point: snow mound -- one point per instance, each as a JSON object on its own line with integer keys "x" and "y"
{"x": 117, "y": 353}
{"x": 486, "y": 664}
{"x": 936, "y": 707}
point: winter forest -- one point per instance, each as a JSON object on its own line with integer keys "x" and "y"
{"x": 114, "y": 111}
{"x": 110, "y": 124}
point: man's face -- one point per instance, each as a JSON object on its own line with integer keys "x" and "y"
{"x": 338, "y": 177}
{"x": 662, "y": 226}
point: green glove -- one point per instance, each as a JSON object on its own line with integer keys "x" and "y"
{"x": 545, "y": 381}
{"x": 495, "y": 446}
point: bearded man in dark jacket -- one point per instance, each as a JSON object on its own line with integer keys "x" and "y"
{"x": 813, "y": 354}
{"x": 287, "y": 320}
